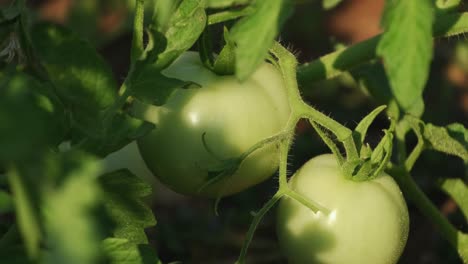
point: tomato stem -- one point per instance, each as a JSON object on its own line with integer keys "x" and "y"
{"x": 229, "y": 15}
{"x": 138, "y": 31}
{"x": 312, "y": 205}
{"x": 328, "y": 141}
{"x": 255, "y": 222}
{"x": 287, "y": 63}
{"x": 136, "y": 51}
{"x": 416, "y": 152}
{"x": 416, "y": 195}
{"x": 343, "y": 60}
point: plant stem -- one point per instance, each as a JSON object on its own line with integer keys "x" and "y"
{"x": 136, "y": 51}
{"x": 313, "y": 206}
{"x": 343, "y": 60}
{"x": 401, "y": 130}
{"x": 229, "y": 15}
{"x": 329, "y": 142}
{"x": 253, "y": 226}
{"x": 414, "y": 194}
{"x": 283, "y": 163}
{"x": 138, "y": 31}
{"x": 414, "y": 155}
{"x": 299, "y": 109}
{"x": 124, "y": 93}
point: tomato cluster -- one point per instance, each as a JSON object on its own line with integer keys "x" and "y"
{"x": 202, "y": 127}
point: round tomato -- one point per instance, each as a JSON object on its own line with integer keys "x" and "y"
{"x": 368, "y": 221}
{"x": 199, "y": 128}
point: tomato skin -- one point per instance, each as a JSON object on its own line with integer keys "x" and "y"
{"x": 232, "y": 116}
{"x": 368, "y": 222}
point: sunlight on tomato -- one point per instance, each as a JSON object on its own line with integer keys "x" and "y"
{"x": 233, "y": 116}
{"x": 368, "y": 222}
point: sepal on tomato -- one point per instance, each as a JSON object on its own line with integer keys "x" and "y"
{"x": 371, "y": 162}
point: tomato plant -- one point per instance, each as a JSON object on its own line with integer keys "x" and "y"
{"x": 367, "y": 222}
{"x": 199, "y": 128}
{"x": 100, "y": 101}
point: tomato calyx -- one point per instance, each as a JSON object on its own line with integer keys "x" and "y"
{"x": 222, "y": 63}
{"x": 370, "y": 162}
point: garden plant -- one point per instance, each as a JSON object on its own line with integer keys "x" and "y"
{"x": 211, "y": 107}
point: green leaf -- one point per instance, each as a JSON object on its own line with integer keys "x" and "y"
{"x": 124, "y": 129}
{"x": 73, "y": 216}
{"x": 27, "y": 118}
{"x": 360, "y": 131}
{"x": 459, "y": 133}
{"x": 6, "y": 203}
{"x": 167, "y": 43}
{"x": 383, "y": 152}
{"x": 452, "y": 139}
{"x": 121, "y": 251}
{"x": 254, "y": 34}
{"x": 123, "y": 198}
{"x": 184, "y": 27}
{"x": 329, "y": 4}
{"x": 82, "y": 79}
{"x": 406, "y": 47}
{"x": 225, "y": 3}
{"x": 458, "y": 190}
{"x": 447, "y": 6}
{"x": 373, "y": 81}
{"x": 163, "y": 10}
{"x": 152, "y": 87}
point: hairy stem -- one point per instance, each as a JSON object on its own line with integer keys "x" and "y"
{"x": 300, "y": 109}
{"x": 414, "y": 155}
{"x": 255, "y": 222}
{"x": 328, "y": 141}
{"x": 313, "y": 206}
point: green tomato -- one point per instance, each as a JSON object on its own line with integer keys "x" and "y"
{"x": 368, "y": 221}
{"x": 232, "y": 116}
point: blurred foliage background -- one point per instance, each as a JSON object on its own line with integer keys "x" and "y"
{"x": 188, "y": 229}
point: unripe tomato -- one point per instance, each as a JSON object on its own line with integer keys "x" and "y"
{"x": 232, "y": 116}
{"x": 368, "y": 221}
